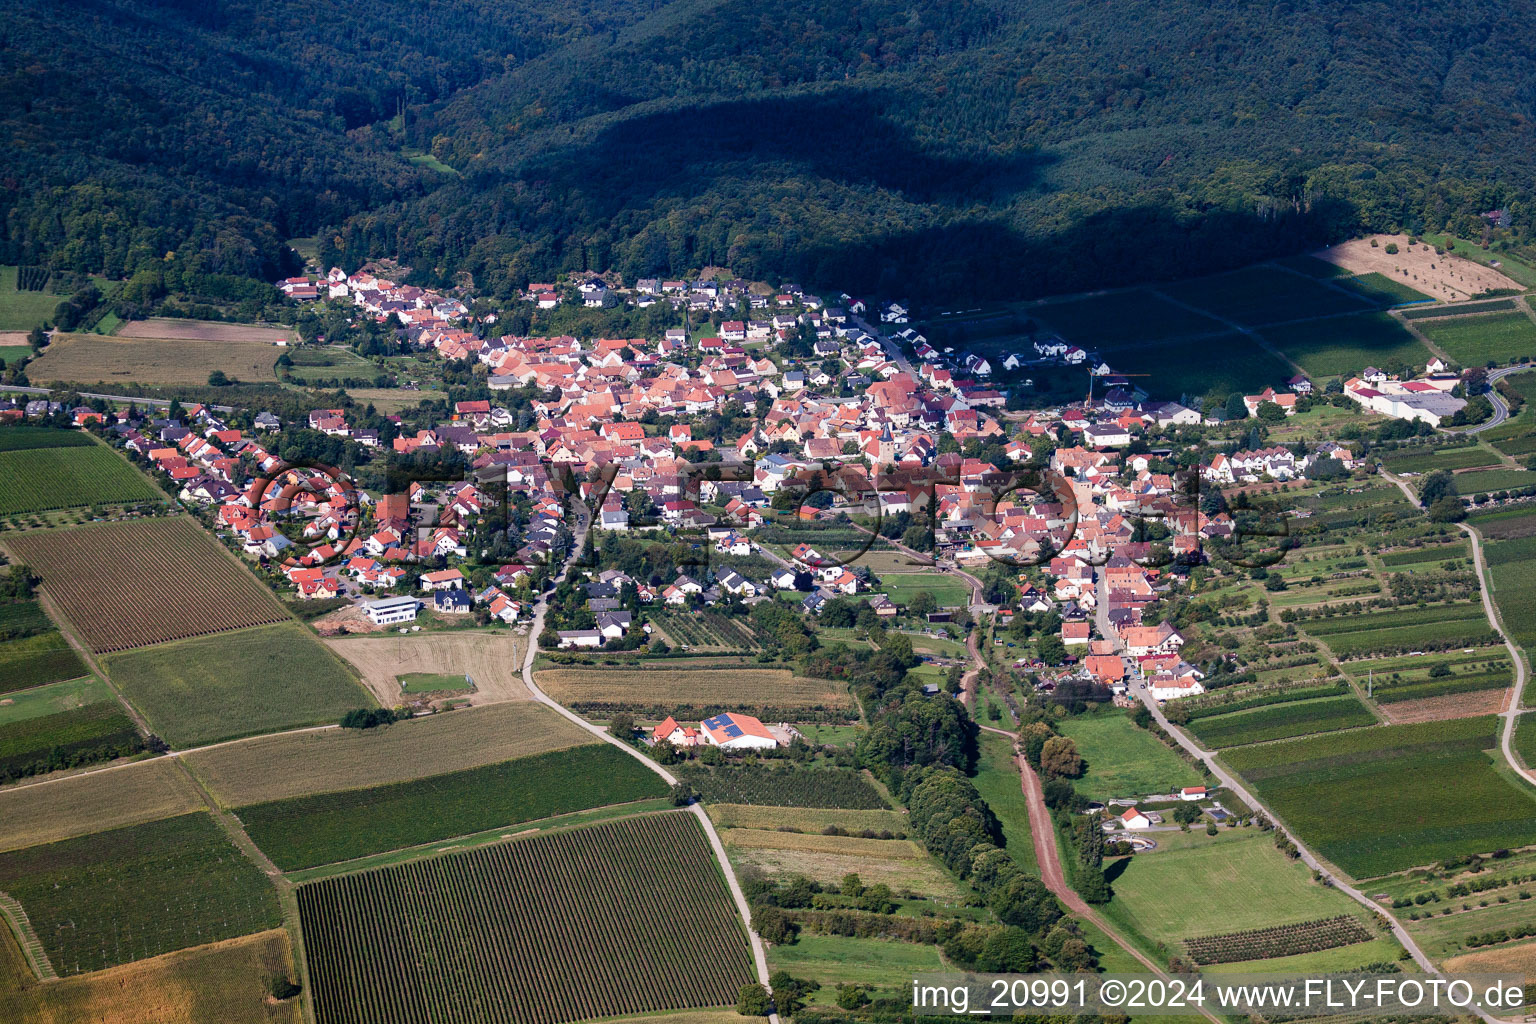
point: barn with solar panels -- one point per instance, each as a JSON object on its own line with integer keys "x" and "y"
{"x": 737, "y": 732}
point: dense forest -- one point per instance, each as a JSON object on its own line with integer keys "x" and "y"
{"x": 954, "y": 149}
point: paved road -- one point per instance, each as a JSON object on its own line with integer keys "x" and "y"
{"x": 759, "y": 951}
{"x": 1500, "y": 407}
{"x": 162, "y": 402}
{"x": 892, "y": 350}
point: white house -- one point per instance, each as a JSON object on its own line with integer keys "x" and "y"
{"x": 1134, "y": 819}
{"x": 446, "y": 579}
{"x": 731, "y": 731}
{"x": 1192, "y": 793}
{"x": 392, "y": 610}
{"x": 580, "y": 638}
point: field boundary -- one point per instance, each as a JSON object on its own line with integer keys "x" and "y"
{"x": 26, "y": 937}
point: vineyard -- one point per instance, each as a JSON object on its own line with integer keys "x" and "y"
{"x": 20, "y": 438}
{"x": 1279, "y": 721}
{"x": 784, "y": 787}
{"x": 1225, "y": 701}
{"x": 34, "y": 660}
{"x": 43, "y": 479}
{"x": 95, "y": 732}
{"x": 32, "y": 279}
{"x": 137, "y": 892}
{"x": 560, "y": 927}
{"x": 144, "y": 582}
{"x": 1344, "y": 793}
{"x": 307, "y": 831}
{"x": 1269, "y": 943}
{"x": 709, "y": 629}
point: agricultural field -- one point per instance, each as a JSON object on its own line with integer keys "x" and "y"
{"x": 1123, "y": 760}
{"x": 806, "y": 819}
{"x": 1344, "y": 793}
{"x": 152, "y": 362}
{"x": 1477, "y": 340}
{"x": 44, "y": 479}
{"x": 269, "y": 768}
{"x": 1485, "y": 481}
{"x": 1199, "y": 885}
{"x": 784, "y": 787}
{"x": 493, "y": 660}
{"x": 707, "y": 630}
{"x": 1122, "y": 319}
{"x": 35, "y": 738}
{"x": 441, "y": 939}
{"x": 23, "y": 309}
{"x": 1381, "y": 290}
{"x": 1394, "y": 680}
{"x": 1514, "y": 585}
{"x": 307, "y": 831}
{"x": 1461, "y": 309}
{"x": 237, "y": 684}
{"x": 1260, "y": 295}
{"x": 686, "y": 688}
{"x": 328, "y": 363}
{"x": 75, "y": 806}
{"x": 132, "y": 893}
{"x": 21, "y": 437}
{"x": 1280, "y": 941}
{"x": 1435, "y": 627}
{"x": 1279, "y": 721}
{"x": 899, "y": 863}
{"x": 129, "y": 584}
{"x": 1215, "y": 365}
{"x": 948, "y": 591}
{"x": 204, "y": 330}
{"x": 35, "y": 653}
{"x": 835, "y": 960}
{"x": 435, "y": 682}
{"x": 1427, "y": 460}
{"x": 1345, "y": 345}
{"x": 227, "y": 982}
{"x": 393, "y": 400}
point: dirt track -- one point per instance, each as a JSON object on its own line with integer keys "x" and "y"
{"x": 1445, "y": 277}
{"x": 493, "y": 660}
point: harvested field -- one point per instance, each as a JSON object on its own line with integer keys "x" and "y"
{"x": 1452, "y": 705}
{"x": 95, "y": 359}
{"x": 808, "y": 819}
{"x": 44, "y": 479}
{"x": 442, "y": 939}
{"x": 34, "y": 814}
{"x": 1447, "y": 277}
{"x": 899, "y": 863}
{"x": 203, "y": 330}
{"x": 223, "y": 982}
{"x": 1517, "y": 959}
{"x": 703, "y": 690}
{"x": 130, "y": 584}
{"x": 492, "y": 659}
{"x": 303, "y": 764}
{"x": 239, "y": 684}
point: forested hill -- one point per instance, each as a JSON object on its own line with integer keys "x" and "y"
{"x": 962, "y": 148}
{"x": 219, "y": 128}
{"x": 954, "y": 148}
